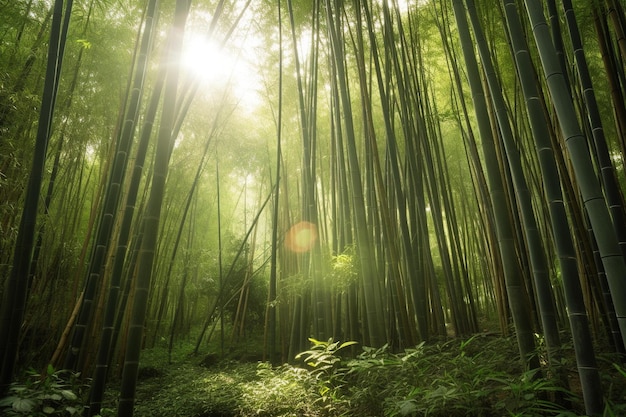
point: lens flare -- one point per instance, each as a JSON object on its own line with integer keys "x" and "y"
{"x": 301, "y": 237}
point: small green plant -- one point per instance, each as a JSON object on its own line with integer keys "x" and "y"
{"x": 279, "y": 391}
{"x": 373, "y": 381}
{"x": 529, "y": 394}
{"x": 325, "y": 366}
{"x": 619, "y": 369}
{"x": 616, "y": 407}
{"x": 54, "y": 394}
{"x": 323, "y": 357}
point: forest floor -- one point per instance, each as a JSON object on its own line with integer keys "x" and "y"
{"x": 480, "y": 376}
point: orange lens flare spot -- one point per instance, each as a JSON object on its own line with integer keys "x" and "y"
{"x": 301, "y": 237}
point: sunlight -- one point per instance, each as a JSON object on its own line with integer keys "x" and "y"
{"x": 301, "y": 237}
{"x": 304, "y": 46}
{"x": 201, "y": 57}
{"x": 217, "y": 67}
{"x": 404, "y": 5}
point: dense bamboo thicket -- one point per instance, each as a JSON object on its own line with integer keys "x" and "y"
{"x": 383, "y": 171}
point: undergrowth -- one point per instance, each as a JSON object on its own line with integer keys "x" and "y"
{"x": 478, "y": 377}
{"x": 53, "y": 393}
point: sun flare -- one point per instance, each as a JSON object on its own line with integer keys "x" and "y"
{"x": 301, "y": 237}
{"x": 218, "y": 66}
{"x": 205, "y": 59}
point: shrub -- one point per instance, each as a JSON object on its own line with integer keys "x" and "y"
{"x": 54, "y": 394}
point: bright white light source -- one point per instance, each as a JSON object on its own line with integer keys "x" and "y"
{"x": 205, "y": 59}
{"x": 216, "y": 67}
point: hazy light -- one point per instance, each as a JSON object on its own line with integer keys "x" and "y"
{"x": 205, "y": 59}
{"x": 301, "y": 237}
{"x": 218, "y": 67}
{"x": 404, "y": 5}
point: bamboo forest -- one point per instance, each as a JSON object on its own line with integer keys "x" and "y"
{"x": 371, "y": 208}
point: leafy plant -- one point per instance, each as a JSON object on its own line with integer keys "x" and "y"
{"x": 457, "y": 378}
{"x": 279, "y": 391}
{"x": 323, "y": 357}
{"x": 325, "y": 365}
{"x": 56, "y": 393}
{"x": 617, "y": 408}
{"x": 529, "y": 394}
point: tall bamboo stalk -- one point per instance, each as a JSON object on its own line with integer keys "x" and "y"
{"x": 14, "y": 295}
{"x": 271, "y": 316}
{"x": 587, "y": 181}
{"x": 110, "y": 204}
{"x": 108, "y": 336}
{"x": 585, "y": 358}
{"x": 374, "y": 319}
{"x": 538, "y": 257}
{"x": 605, "y": 165}
{"x": 153, "y": 214}
{"x": 516, "y": 292}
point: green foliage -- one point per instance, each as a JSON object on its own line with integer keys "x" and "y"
{"x": 459, "y": 378}
{"x": 479, "y": 376}
{"x": 281, "y": 391}
{"x": 58, "y": 393}
{"x": 322, "y": 356}
{"x": 324, "y": 363}
{"x": 344, "y": 269}
{"x": 527, "y": 395}
{"x": 228, "y": 389}
{"x": 616, "y": 406}
{"x": 84, "y": 43}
